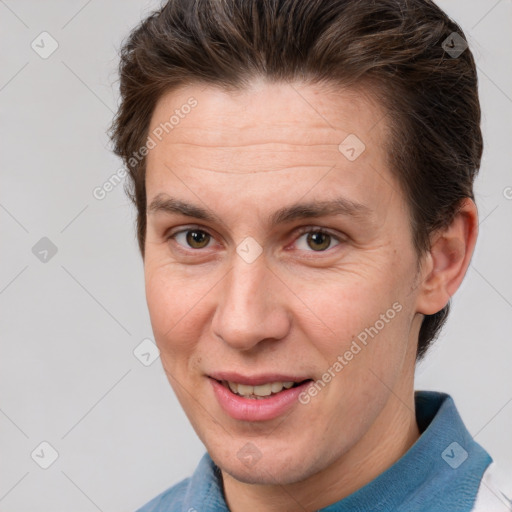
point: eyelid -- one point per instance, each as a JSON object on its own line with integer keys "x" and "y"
{"x": 191, "y": 227}
{"x": 319, "y": 229}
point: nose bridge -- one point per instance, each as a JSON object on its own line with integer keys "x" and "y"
{"x": 247, "y": 310}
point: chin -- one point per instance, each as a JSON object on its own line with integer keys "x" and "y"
{"x": 265, "y": 475}
{"x": 269, "y": 470}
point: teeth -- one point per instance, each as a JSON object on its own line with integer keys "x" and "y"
{"x": 263, "y": 390}
{"x": 258, "y": 391}
{"x": 276, "y": 387}
{"x": 245, "y": 390}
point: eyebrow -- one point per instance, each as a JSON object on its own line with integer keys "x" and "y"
{"x": 163, "y": 203}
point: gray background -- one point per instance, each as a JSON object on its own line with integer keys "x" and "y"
{"x": 68, "y": 375}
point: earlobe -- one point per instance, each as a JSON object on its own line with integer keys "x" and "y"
{"x": 448, "y": 259}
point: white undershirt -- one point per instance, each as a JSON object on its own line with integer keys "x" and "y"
{"x": 494, "y": 493}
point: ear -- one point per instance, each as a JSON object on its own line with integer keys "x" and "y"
{"x": 445, "y": 265}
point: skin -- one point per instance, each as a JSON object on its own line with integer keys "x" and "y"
{"x": 297, "y": 307}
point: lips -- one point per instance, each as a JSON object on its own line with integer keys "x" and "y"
{"x": 250, "y": 398}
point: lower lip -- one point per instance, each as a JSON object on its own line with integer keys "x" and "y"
{"x": 254, "y": 409}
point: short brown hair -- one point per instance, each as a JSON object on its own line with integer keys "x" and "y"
{"x": 394, "y": 47}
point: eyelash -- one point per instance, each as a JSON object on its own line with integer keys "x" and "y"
{"x": 302, "y": 231}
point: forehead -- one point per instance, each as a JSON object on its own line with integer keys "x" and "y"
{"x": 279, "y": 113}
{"x": 276, "y": 140}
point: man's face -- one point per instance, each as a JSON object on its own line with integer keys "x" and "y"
{"x": 254, "y": 296}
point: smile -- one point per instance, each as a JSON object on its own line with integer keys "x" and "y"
{"x": 257, "y": 398}
{"x": 259, "y": 392}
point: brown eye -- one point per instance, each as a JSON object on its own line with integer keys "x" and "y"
{"x": 196, "y": 238}
{"x": 193, "y": 238}
{"x": 319, "y": 241}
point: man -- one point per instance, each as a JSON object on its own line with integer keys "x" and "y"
{"x": 303, "y": 173}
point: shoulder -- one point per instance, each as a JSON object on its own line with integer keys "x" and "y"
{"x": 170, "y": 500}
{"x": 204, "y": 487}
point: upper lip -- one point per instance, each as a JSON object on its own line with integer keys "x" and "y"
{"x": 256, "y": 380}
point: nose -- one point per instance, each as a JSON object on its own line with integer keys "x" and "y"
{"x": 251, "y": 306}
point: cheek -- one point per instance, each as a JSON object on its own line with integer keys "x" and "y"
{"x": 174, "y": 306}
{"x": 359, "y": 319}
{"x": 347, "y": 303}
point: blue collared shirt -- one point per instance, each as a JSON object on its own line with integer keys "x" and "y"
{"x": 441, "y": 472}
